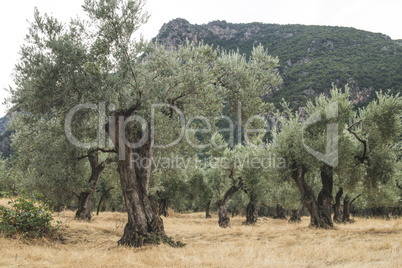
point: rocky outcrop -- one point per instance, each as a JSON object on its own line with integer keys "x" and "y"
{"x": 177, "y": 31}
{"x": 221, "y": 32}
{"x": 359, "y": 94}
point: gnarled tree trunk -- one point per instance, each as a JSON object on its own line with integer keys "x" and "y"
{"x": 134, "y": 167}
{"x": 222, "y": 204}
{"x": 207, "y": 215}
{"x": 346, "y": 208}
{"x": 160, "y": 206}
{"x": 252, "y": 210}
{"x": 84, "y": 211}
{"x": 296, "y": 214}
{"x": 163, "y": 207}
{"x": 84, "y": 206}
{"x": 101, "y": 200}
{"x": 338, "y": 209}
{"x": 280, "y": 212}
{"x": 318, "y": 213}
{"x": 325, "y": 195}
{"x": 222, "y": 214}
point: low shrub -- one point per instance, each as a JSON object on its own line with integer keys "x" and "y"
{"x": 28, "y": 216}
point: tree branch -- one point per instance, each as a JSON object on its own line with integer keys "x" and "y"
{"x": 125, "y": 52}
{"x": 91, "y": 151}
{"x": 364, "y": 156}
{"x": 354, "y": 199}
{"x": 108, "y": 161}
{"x": 169, "y": 91}
{"x": 232, "y": 190}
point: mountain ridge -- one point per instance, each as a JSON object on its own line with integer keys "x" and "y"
{"x": 312, "y": 58}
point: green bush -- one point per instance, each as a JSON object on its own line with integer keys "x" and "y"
{"x": 27, "y": 216}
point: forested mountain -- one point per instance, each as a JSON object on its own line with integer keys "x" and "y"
{"x": 311, "y": 57}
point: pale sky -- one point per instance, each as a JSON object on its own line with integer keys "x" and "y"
{"x": 372, "y": 15}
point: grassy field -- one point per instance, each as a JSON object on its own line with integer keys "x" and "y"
{"x": 271, "y": 243}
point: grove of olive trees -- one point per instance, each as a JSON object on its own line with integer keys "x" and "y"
{"x": 107, "y": 119}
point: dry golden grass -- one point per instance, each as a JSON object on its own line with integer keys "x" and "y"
{"x": 271, "y": 243}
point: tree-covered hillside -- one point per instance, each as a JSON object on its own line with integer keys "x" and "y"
{"x": 311, "y": 57}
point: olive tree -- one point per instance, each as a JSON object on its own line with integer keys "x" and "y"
{"x": 47, "y": 162}
{"x": 97, "y": 60}
{"x": 349, "y": 154}
{"x": 290, "y": 144}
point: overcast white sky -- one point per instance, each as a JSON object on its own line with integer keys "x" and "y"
{"x": 372, "y": 15}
